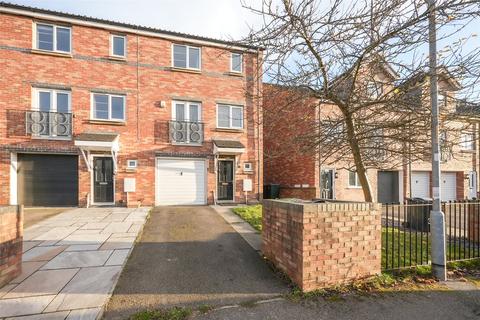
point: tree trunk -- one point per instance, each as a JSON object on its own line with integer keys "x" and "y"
{"x": 357, "y": 159}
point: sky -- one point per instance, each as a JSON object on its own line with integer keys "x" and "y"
{"x": 222, "y": 19}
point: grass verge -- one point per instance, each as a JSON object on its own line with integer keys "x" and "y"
{"x": 175, "y": 313}
{"x": 251, "y": 214}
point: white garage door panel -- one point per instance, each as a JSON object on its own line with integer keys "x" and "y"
{"x": 448, "y": 186}
{"x": 420, "y": 184}
{"x": 180, "y": 182}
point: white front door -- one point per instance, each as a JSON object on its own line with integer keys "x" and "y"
{"x": 420, "y": 184}
{"x": 180, "y": 182}
{"x": 472, "y": 184}
{"x": 448, "y": 186}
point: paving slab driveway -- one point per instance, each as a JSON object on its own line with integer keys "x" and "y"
{"x": 70, "y": 267}
{"x": 188, "y": 256}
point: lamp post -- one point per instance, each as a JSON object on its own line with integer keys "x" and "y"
{"x": 437, "y": 217}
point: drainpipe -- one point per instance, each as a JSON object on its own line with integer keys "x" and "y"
{"x": 258, "y": 127}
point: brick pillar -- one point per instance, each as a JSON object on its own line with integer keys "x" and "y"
{"x": 11, "y": 243}
{"x": 319, "y": 245}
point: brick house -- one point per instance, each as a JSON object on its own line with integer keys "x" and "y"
{"x": 92, "y": 108}
{"x": 297, "y": 164}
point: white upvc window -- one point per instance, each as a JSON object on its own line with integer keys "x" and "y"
{"x": 353, "y": 180}
{"x": 118, "y": 46}
{"x": 466, "y": 141}
{"x": 108, "y": 107}
{"x": 50, "y": 37}
{"x": 51, "y": 100}
{"x": 186, "y": 57}
{"x": 236, "y": 62}
{"x": 229, "y": 117}
{"x": 187, "y": 111}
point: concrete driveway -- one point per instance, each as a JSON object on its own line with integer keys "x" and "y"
{"x": 34, "y": 215}
{"x": 189, "y": 256}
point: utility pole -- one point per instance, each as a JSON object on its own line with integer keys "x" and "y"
{"x": 437, "y": 217}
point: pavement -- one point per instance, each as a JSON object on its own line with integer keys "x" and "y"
{"x": 71, "y": 263}
{"x": 190, "y": 256}
{"x": 438, "y": 305}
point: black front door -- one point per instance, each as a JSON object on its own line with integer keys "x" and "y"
{"x": 387, "y": 188}
{"x": 225, "y": 180}
{"x": 326, "y": 183}
{"x": 103, "y": 180}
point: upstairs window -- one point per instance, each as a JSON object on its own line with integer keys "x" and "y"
{"x": 236, "y": 62}
{"x": 229, "y": 117}
{"x": 108, "y": 107}
{"x": 51, "y": 100}
{"x": 353, "y": 180}
{"x": 186, "y": 57}
{"x": 374, "y": 90}
{"x": 53, "y": 38}
{"x": 118, "y": 47}
{"x": 466, "y": 141}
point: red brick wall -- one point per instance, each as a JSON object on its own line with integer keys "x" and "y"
{"x": 299, "y": 193}
{"x": 11, "y": 237}
{"x": 319, "y": 245}
{"x": 144, "y": 134}
{"x": 288, "y": 115}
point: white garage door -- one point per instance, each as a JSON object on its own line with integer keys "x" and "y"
{"x": 180, "y": 182}
{"x": 448, "y": 186}
{"x": 420, "y": 184}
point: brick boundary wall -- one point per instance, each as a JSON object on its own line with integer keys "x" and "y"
{"x": 299, "y": 193}
{"x": 11, "y": 238}
{"x": 319, "y": 245}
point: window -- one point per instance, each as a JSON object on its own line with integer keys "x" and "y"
{"x": 374, "y": 90}
{"x": 230, "y": 117}
{"x": 118, "y": 45}
{"x": 466, "y": 141}
{"x": 53, "y": 38}
{"x": 353, "y": 180}
{"x": 132, "y": 164}
{"x": 186, "y": 57}
{"x": 247, "y": 166}
{"x": 108, "y": 107}
{"x": 442, "y": 99}
{"x": 236, "y": 62}
{"x": 51, "y": 100}
{"x": 186, "y": 111}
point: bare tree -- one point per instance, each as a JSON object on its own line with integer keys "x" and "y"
{"x": 364, "y": 63}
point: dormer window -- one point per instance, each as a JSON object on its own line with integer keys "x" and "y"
{"x": 49, "y": 37}
{"x": 374, "y": 90}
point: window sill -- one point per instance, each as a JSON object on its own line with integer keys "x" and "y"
{"x": 51, "y": 53}
{"x": 229, "y": 130}
{"x": 354, "y": 187}
{"x": 121, "y": 59}
{"x": 40, "y": 137}
{"x": 109, "y": 122}
{"x": 467, "y": 151}
{"x": 186, "y": 144}
{"x": 175, "y": 69}
{"x": 234, "y": 74}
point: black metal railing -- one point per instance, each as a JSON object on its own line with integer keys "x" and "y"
{"x": 48, "y": 124}
{"x": 406, "y": 238}
{"x": 186, "y": 132}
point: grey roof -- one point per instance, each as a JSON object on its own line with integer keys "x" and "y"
{"x": 125, "y": 25}
{"x": 228, "y": 144}
{"x": 103, "y": 137}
